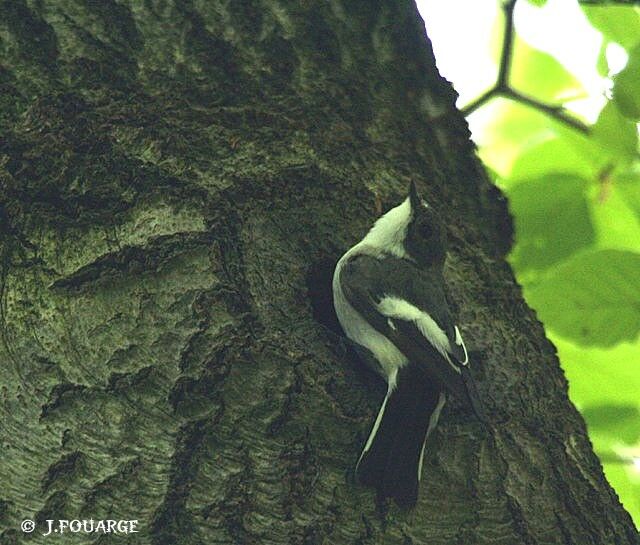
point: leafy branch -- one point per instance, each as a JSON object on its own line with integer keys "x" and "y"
{"x": 502, "y": 86}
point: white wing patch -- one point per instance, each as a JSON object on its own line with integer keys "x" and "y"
{"x": 460, "y": 342}
{"x": 394, "y": 307}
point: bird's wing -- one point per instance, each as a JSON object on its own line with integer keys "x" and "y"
{"x": 394, "y": 300}
{"x": 402, "y": 291}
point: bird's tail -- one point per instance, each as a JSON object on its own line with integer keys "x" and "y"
{"x": 392, "y": 457}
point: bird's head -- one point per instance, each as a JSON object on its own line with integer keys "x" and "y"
{"x": 426, "y": 237}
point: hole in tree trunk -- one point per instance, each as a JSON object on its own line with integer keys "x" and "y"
{"x": 319, "y": 280}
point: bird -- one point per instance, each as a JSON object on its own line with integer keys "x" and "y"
{"x": 390, "y": 299}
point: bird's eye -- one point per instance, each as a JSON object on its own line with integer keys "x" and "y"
{"x": 425, "y": 230}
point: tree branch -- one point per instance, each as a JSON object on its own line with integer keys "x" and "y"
{"x": 503, "y": 88}
{"x": 480, "y": 101}
{"x": 506, "y": 55}
{"x": 557, "y": 112}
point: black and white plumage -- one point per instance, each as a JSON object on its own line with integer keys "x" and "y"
{"x": 389, "y": 296}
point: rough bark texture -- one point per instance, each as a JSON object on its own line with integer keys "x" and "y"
{"x": 178, "y": 178}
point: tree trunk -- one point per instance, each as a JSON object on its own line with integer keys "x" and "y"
{"x": 178, "y": 179}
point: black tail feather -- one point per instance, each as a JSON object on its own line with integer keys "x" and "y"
{"x": 472, "y": 395}
{"x": 391, "y": 462}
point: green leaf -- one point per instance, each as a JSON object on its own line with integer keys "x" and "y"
{"x": 551, "y": 218}
{"x": 626, "y": 90}
{"x": 628, "y": 184}
{"x": 593, "y": 298}
{"x": 602, "y": 64}
{"x": 616, "y": 223}
{"x": 624, "y": 479}
{"x": 509, "y": 125}
{"x": 553, "y": 154}
{"x": 514, "y": 133}
{"x": 538, "y": 3}
{"x": 541, "y": 76}
{"x": 620, "y": 24}
{"x": 599, "y": 378}
{"x": 616, "y": 134}
{"x": 620, "y": 422}
{"x": 599, "y": 375}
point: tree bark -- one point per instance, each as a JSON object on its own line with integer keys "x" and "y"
{"x": 178, "y": 179}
